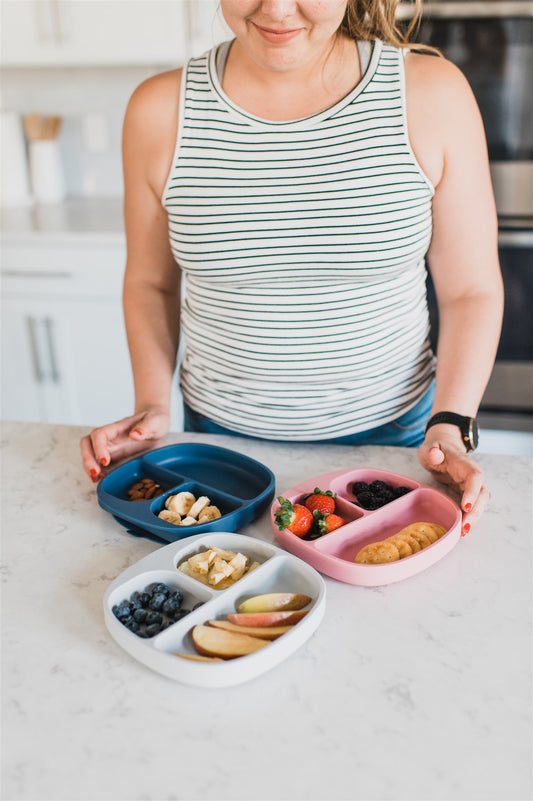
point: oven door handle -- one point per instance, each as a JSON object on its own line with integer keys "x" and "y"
{"x": 522, "y": 238}
{"x": 451, "y": 9}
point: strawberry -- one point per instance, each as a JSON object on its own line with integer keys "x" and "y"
{"x": 297, "y": 518}
{"x": 326, "y": 523}
{"x": 324, "y": 502}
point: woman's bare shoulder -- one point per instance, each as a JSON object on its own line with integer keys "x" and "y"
{"x": 438, "y": 84}
{"x": 150, "y": 127}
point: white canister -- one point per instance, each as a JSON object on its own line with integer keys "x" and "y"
{"x": 15, "y": 180}
{"x": 46, "y": 168}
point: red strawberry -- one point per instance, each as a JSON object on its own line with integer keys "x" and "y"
{"x": 297, "y": 518}
{"x": 324, "y": 502}
{"x": 327, "y": 523}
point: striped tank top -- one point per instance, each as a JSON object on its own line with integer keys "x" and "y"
{"x": 303, "y": 249}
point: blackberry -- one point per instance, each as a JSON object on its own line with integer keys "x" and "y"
{"x": 365, "y": 498}
{"x": 359, "y": 486}
{"x": 380, "y": 486}
{"x": 399, "y": 491}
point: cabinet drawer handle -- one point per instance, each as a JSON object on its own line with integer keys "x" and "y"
{"x": 49, "y": 329}
{"x": 34, "y": 347}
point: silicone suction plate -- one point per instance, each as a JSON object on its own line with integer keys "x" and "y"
{"x": 333, "y": 554}
{"x": 278, "y": 572}
{"x": 240, "y": 486}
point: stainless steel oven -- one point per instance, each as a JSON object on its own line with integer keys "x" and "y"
{"x": 492, "y": 43}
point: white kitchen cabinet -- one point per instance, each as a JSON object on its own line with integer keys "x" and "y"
{"x": 64, "y": 349}
{"x": 93, "y": 32}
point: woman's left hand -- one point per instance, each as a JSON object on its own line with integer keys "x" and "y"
{"x": 447, "y": 461}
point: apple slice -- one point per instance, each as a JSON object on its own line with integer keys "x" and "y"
{"x": 274, "y": 602}
{"x": 263, "y": 632}
{"x": 209, "y": 641}
{"x": 261, "y": 619}
{"x": 198, "y": 658}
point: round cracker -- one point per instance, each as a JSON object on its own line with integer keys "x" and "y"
{"x": 418, "y": 535}
{"x": 378, "y": 553}
{"x": 402, "y": 545}
{"x": 427, "y": 529}
{"x": 413, "y": 544}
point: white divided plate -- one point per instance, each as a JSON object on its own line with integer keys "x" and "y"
{"x": 278, "y": 572}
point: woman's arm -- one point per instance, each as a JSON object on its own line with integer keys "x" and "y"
{"x": 151, "y": 295}
{"x": 463, "y": 260}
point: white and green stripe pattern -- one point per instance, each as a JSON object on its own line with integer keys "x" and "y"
{"x": 303, "y": 247}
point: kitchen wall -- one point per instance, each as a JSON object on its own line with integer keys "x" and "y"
{"x": 92, "y": 102}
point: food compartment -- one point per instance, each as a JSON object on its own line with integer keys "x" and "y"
{"x": 120, "y": 482}
{"x": 225, "y": 504}
{"x": 301, "y": 589}
{"x": 230, "y": 472}
{"x": 421, "y": 505}
{"x": 153, "y": 601}
{"x": 343, "y": 509}
{"x": 376, "y": 482}
{"x": 213, "y": 574}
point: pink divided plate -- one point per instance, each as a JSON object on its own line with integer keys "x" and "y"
{"x": 334, "y": 554}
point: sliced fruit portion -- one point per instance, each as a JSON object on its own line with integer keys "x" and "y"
{"x": 282, "y": 618}
{"x": 198, "y": 658}
{"x": 274, "y": 602}
{"x": 210, "y": 641}
{"x": 263, "y": 632}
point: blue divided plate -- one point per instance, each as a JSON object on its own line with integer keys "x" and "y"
{"x": 241, "y": 487}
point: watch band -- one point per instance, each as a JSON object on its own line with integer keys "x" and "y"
{"x": 467, "y": 425}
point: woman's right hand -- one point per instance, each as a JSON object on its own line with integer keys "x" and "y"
{"x": 126, "y": 437}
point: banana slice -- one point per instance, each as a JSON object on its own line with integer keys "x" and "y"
{"x": 209, "y": 513}
{"x": 170, "y": 516}
{"x": 199, "y": 505}
{"x": 180, "y": 503}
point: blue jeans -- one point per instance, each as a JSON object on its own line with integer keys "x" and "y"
{"x": 406, "y": 431}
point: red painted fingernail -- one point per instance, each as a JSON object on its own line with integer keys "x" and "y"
{"x": 468, "y": 507}
{"x": 93, "y": 473}
{"x": 466, "y": 529}
{"x": 136, "y": 431}
{"x": 104, "y": 460}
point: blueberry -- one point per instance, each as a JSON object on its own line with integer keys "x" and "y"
{"x": 180, "y": 613}
{"x": 122, "y": 610}
{"x": 153, "y": 629}
{"x": 144, "y": 599}
{"x": 170, "y": 606}
{"x": 153, "y": 618}
{"x": 176, "y": 595}
{"x": 142, "y": 633}
{"x": 157, "y": 601}
{"x": 198, "y": 605}
{"x": 157, "y": 589}
{"x": 140, "y": 615}
{"x": 132, "y": 624}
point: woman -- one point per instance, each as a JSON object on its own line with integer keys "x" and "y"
{"x": 299, "y": 176}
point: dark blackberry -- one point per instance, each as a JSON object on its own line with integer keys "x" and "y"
{"x": 380, "y": 486}
{"x": 365, "y": 498}
{"x": 359, "y": 486}
{"x": 399, "y": 491}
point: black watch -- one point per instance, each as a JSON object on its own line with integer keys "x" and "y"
{"x": 468, "y": 426}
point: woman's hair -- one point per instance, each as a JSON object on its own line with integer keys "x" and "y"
{"x": 377, "y": 19}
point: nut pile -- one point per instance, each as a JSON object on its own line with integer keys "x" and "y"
{"x": 144, "y": 489}
{"x": 183, "y": 509}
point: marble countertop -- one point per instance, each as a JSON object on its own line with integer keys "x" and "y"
{"x": 416, "y": 690}
{"x": 76, "y": 218}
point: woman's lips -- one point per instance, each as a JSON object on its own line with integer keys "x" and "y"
{"x": 277, "y": 36}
